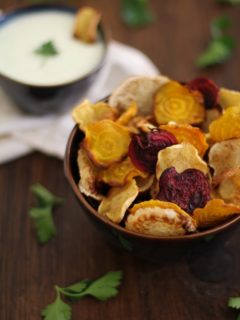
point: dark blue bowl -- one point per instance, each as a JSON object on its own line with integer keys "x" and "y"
{"x": 47, "y": 99}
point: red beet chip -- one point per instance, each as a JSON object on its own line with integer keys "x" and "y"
{"x": 144, "y": 147}
{"x": 208, "y": 89}
{"x": 189, "y": 189}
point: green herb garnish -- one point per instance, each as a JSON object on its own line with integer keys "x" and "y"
{"x": 234, "y": 302}
{"x": 101, "y": 289}
{"x": 232, "y": 2}
{"x": 220, "y": 47}
{"x": 136, "y": 13}
{"x": 47, "y": 49}
{"x": 42, "y": 215}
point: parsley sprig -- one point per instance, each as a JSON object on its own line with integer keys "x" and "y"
{"x": 221, "y": 46}
{"x": 234, "y": 302}
{"x": 42, "y": 214}
{"x": 136, "y": 13}
{"x": 47, "y": 50}
{"x": 101, "y": 289}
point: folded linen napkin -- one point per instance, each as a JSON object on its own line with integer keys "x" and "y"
{"x": 21, "y": 134}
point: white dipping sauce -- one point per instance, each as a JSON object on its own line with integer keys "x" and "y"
{"x": 21, "y": 36}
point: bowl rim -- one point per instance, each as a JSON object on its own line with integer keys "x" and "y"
{"x": 83, "y": 199}
{"x": 24, "y": 9}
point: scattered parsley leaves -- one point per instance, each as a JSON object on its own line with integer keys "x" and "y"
{"x": 42, "y": 214}
{"x": 220, "y": 47}
{"x": 234, "y": 302}
{"x": 102, "y": 289}
{"x": 136, "y": 13}
{"x": 47, "y": 49}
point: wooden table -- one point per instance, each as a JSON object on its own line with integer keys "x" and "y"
{"x": 28, "y": 271}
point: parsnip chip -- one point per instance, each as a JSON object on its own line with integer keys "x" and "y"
{"x": 87, "y": 113}
{"x": 88, "y": 174}
{"x": 118, "y": 200}
{"x": 181, "y": 156}
{"x": 175, "y": 102}
{"x": 140, "y": 89}
{"x": 106, "y": 142}
{"x": 211, "y": 115}
{"x": 121, "y": 172}
{"x": 128, "y": 114}
{"x": 227, "y": 126}
{"x": 187, "y": 133}
{"x": 215, "y": 212}
{"x": 86, "y": 24}
{"x": 228, "y": 98}
{"x": 144, "y": 184}
{"x": 159, "y": 218}
{"x": 229, "y": 188}
{"x": 224, "y": 156}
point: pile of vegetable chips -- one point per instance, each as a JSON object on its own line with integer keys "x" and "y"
{"x": 162, "y": 157}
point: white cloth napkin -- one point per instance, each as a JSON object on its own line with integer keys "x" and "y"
{"x": 21, "y": 134}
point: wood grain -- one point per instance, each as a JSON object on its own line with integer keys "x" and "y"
{"x": 183, "y": 290}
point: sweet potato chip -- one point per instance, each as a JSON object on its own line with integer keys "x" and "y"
{"x": 106, "y": 142}
{"x": 228, "y": 98}
{"x": 227, "y": 126}
{"x": 121, "y": 172}
{"x": 86, "y": 24}
{"x": 140, "y": 89}
{"x": 175, "y": 102}
{"x": 187, "y": 133}
{"x": 128, "y": 114}
{"x": 229, "y": 188}
{"x": 215, "y": 212}
{"x": 159, "y": 218}
{"x": 118, "y": 200}
{"x": 87, "y": 113}
{"x": 181, "y": 156}
{"x": 224, "y": 156}
{"x": 88, "y": 174}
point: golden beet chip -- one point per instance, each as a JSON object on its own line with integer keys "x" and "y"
{"x": 121, "y": 172}
{"x": 228, "y": 98}
{"x": 88, "y": 174}
{"x": 187, "y": 133}
{"x": 227, "y": 126}
{"x": 140, "y": 89}
{"x": 175, "y": 102}
{"x": 87, "y": 113}
{"x": 229, "y": 188}
{"x": 127, "y": 115}
{"x": 159, "y": 218}
{"x": 106, "y": 142}
{"x": 224, "y": 156}
{"x": 180, "y": 156}
{"x": 215, "y": 212}
{"x": 118, "y": 200}
{"x": 86, "y": 24}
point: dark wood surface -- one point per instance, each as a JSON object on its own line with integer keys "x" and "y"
{"x": 28, "y": 272}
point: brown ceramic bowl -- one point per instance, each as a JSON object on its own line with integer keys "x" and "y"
{"x": 141, "y": 244}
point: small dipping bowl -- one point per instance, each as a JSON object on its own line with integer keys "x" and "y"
{"x": 154, "y": 248}
{"x": 39, "y": 84}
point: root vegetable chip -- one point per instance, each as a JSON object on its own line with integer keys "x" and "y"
{"x": 127, "y": 115}
{"x": 140, "y": 89}
{"x": 180, "y": 156}
{"x": 118, "y": 200}
{"x": 88, "y": 174}
{"x": 224, "y": 156}
{"x": 106, "y": 142}
{"x": 228, "y": 98}
{"x": 144, "y": 147}
{"x": 227, "y": 126}
{"x": 121, "y": 172}
{"x": 86, "y": 24}
{"x": 159, "y": 218}
{"x": 189, "y": 189}
{"x": 211, "y": 115}
{"x": 187, "y": 133}
{"x": 175, "y": 102}
{"x": 229, "y": 188}
{"x": 144, "y": 184}
{"x": 87, "y": 113}
{"x": 216, "y": 211}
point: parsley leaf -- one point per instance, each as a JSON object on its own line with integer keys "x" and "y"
{"x": 219, "y": 25}
{"x": 47, "y": 49}
{"x": 234, "y": 302}
{"x": 45, "y": 197}
{"x": 44, "y": 224}
{"x": 136, "y": 13}
{"x": 58, "y": 310}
